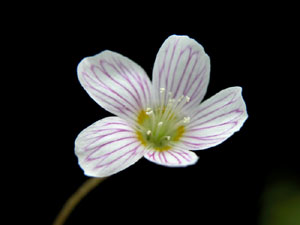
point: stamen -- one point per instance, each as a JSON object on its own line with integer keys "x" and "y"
{"x": 149, "y": 112}
{"x": 187, "y": 98}
{"x": 186, "y": 119}
{"x": 173, "y": 106}
{"x": 162, "y": 100}
{"x": 165, "y": 121}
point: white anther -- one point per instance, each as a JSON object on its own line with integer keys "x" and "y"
{"x": 162, "y": 90}
{"x": 148, "y": 109}
{"x": 168, "y": 138}
{"x": 148, "y": 132}
{"x": 160, "y": 123}
{"x": 186, "y": 119}
{"x": 187, "y": 98}
{"x": 149, "y": 113}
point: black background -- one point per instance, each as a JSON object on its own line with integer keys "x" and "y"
{"x": 226, "y": 184}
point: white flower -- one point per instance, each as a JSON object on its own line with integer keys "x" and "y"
{"x": 161, "y": 121}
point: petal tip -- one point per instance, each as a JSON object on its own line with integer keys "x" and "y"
{"x": 107, "y": 147}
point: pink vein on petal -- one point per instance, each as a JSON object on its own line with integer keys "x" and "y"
{"x": 170, "y": 64}
{"x": 189, "y": 77}
{"x": 118, "y": 158}
{"x": 96, "y": 148}
{"x": 111, "y": 90}
{"x": 114, "y": 131}
{"x": 85, "y": 75}
{"x": 199, "y": 88}
{"x": 191, "y": 54}
{"x": 165, "y": 158}
{"x": 162, "y": 67}
{"x": 102, "y": 64}
{"x": 111, "y": 152}
{"x": 183, "y": 154}
{"x": 234, "y": 120}
{"x": 133, "y": 76}
{"x": 179, "y": 161}
{"x": 201, "y": 116}
{"x": 152, "y": 155}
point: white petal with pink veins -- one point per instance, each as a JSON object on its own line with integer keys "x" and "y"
{"x": 116, "y": 83}
{"x": 216, "y": 119}
{"x": 181, "y": 68}
{"x": 107, "y": 147}
{"x": 175, "y": 157}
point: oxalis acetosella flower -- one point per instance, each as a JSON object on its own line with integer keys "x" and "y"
{"x": 160, "y": 120}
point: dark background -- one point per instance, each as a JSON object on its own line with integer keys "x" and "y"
{"x": 228, "y": 182}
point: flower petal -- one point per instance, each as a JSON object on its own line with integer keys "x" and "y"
{"x": 116, "y": 83}
{"x": 182, "y": 68}
{"x": 107, "y": 147}
{"x": 175, "y": 157}
{"x": 216, "y": 119}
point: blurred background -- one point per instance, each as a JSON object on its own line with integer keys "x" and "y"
{"x": 252, "y": 178}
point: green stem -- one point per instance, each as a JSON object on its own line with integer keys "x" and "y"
{"x": 71, "y": 203}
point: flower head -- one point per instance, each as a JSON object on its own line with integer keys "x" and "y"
{"x": 161, "y": 121}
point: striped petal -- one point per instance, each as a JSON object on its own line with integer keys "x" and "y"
{"x": 175, "y": 157}
{"x": 182, "y": 68}
{"x": 107, "y": 147}
{"x": 216, "y": 119}
{"x": 116, "y": 83}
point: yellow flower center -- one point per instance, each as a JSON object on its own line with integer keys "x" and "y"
{"x": 160, "y": 127}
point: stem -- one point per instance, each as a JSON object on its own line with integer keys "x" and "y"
{"x": 71, "y": 203}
